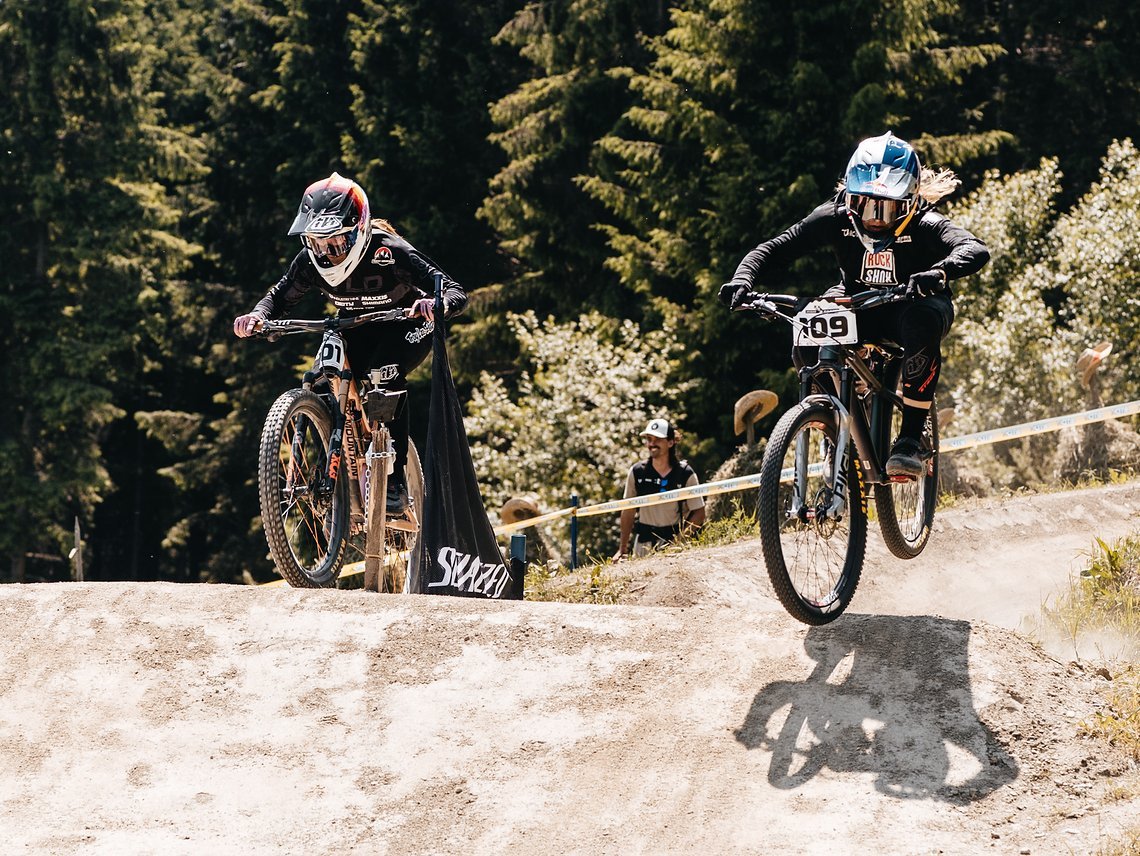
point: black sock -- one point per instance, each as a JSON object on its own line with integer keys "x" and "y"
{"x": 913, "y": 421}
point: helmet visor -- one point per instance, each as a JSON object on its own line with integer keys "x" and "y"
{"x": 330, "y": 247}
{"x": 878, "y": 215}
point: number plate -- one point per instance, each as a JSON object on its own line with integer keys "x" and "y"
{"x": 823, "y": 323}
{"x": 331, "y": 355}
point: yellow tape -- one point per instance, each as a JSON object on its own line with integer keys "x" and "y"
{"x": 997, "y": 435}
{"x": 953, "y": 444}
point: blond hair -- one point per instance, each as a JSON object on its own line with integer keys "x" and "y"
{"x": 932, "y": 186}
{"x": 384, "y": 225}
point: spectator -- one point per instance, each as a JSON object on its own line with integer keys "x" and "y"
{"x": 660, "y": 472}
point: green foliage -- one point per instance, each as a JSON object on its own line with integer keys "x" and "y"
{"x": 738, "y": 128}
{"x": 1104, "y": 600}
{"x": 556, "y": 156}
{"x": 569, "y": 424}
{"x": 92, "y": 230}
{"x": 580, "y": 51}
{"x": 1097, "y": 265}
{"x": 1056, "y": 286}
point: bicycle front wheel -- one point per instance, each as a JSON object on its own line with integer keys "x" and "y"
{"x": 306, "y": 528}
{"x": 814, "y": 558}
{"x": 906, "y": 508}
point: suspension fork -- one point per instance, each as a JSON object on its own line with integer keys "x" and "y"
{"x": 336, "y": 441}
{"x": 840, "y": 457}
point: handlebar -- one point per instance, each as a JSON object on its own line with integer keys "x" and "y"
{"x": 283, "y": 326}
{"x": 772, "y": 304}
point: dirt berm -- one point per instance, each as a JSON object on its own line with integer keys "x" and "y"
{"x": 192, "y": 719}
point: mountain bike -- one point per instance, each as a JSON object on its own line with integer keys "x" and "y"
{"x": 325, "y": 456}
{"x": 826, "y": 453}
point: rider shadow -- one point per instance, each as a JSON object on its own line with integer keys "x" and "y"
{"x": 889, "y": 696}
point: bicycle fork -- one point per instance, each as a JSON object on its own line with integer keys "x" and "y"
{"x": 802, "y": 505}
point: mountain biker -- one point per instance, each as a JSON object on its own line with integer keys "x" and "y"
{"x": 362, "y": 265}
{"x": 883, "y": 232}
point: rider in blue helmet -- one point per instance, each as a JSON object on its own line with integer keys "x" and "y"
{"x": 880, "y": 189}
{"x": 883, "y": 231}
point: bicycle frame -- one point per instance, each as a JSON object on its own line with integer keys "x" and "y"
{"x": 839, "y": 366}
{"x": 870, "y": 431}
{"x": 357, "y": 418}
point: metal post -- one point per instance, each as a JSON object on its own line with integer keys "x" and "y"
{"x": 77, "y": 553}
{"x": 574, "y": 532}
{"x": 437, "y": 306}
{"x": 518, "y": 565}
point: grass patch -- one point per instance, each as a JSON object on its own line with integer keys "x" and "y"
{"x": 596, "y": 583}
{"x": 1119, "y": 721}
{"x": 1104, "y": 600}
{"x": 726, "y": 530}
{"x": 1128, "y": 846}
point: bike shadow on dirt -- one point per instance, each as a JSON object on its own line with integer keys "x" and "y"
{"x": 889, "y": 696}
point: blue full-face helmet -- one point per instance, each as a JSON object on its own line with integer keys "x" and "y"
{"x": 881, "y": 188}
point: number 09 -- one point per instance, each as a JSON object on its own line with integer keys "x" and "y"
{"x": 828, "y": 326}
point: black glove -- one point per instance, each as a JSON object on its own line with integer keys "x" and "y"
{"x": 732, "y": 294}
{"x": 926, "y": 283}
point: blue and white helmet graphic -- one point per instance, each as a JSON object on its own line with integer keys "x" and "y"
{"x": 881, "y": 189}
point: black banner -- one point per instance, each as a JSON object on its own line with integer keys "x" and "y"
{"x": 457, "y": 553}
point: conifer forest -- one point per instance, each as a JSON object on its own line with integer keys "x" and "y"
{"x": 589, "y": 170}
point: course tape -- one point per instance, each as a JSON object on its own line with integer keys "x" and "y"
{"x": 1041, "y": 426}
{"x": 967, "y": 441}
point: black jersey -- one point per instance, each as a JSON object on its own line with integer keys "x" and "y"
{"x": 647, "y": 480}
{"x": 391, "y": 273}
{"x": 929, "y": 242}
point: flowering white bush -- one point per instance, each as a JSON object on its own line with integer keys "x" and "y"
{"x": 586, "y": 389}
{"x": 1009, "y": 356}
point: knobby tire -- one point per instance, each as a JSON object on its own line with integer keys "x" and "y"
{"x": 906, "y": 509}
{"x": 814, "y": 567}
{"x": 306, "y": 532}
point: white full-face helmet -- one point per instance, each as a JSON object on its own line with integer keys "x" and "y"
{"x": 334, "y": 223}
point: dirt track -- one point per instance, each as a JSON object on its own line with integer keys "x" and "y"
{"x": 215, "y": 719}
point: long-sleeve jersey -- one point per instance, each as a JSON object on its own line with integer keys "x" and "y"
{"x": 929, "y": 242}
{"x": 392, "y": 273}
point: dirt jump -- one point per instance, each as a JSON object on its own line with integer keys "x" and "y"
{"x": 694, "y": 717}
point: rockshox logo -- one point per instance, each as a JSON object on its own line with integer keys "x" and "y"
{"x": 879, "y": 268}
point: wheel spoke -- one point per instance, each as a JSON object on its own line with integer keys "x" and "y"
{"x": 814, "y": 555}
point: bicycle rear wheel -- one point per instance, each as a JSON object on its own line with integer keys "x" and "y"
{"x": 401, "y": 534}
{"x": 305, "y": 528}
{"x": 814, "y": 562}
{"x": 906, "y": 508}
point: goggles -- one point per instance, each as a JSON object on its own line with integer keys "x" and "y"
{"x": 874, "y": 211}
{"x": 329, "y": 245}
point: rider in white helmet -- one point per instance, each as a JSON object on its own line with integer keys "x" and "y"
{"x": 362, "y": 264}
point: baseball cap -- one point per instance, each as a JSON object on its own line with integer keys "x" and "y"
{"x": 659, "y": 428}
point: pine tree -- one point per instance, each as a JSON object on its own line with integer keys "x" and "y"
{"x": 91, "y": 232}
{"x": 582, "y": 52}
{"x": 741, "y": 125}
{"x": 273, "y": 98}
